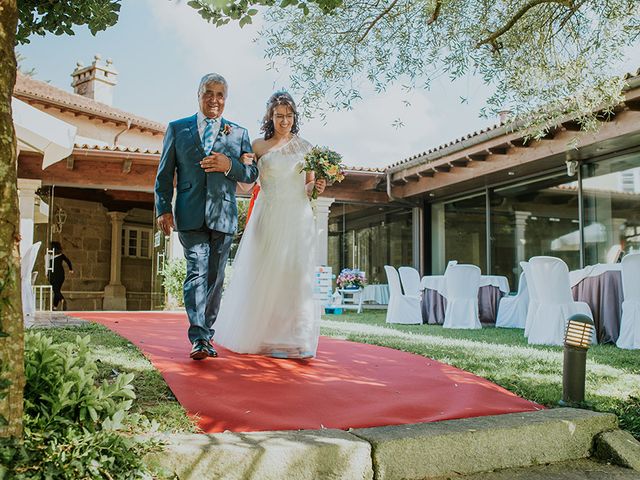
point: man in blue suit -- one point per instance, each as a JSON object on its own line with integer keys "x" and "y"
{"x": 203, "y": 151}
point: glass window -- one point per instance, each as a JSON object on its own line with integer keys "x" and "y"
{"x": 462, "y": 227}
{"x": 136, "y": 242}
{"x": 611, "y": 190}
{"x": 368, "y": 238}
{"x": 533, "y": 218}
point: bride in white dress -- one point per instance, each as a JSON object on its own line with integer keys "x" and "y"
{"x": 268, "y": 306}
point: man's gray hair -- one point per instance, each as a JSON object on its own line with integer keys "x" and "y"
{"x": 212, "y": 78}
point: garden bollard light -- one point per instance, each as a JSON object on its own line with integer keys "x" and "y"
{"x": 577, "y": 339}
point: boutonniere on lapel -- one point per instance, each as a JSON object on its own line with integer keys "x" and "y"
{"x": 226, "y": 130}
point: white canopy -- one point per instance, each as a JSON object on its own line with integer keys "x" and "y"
{"x": 594, "y": 233}
{"x": 42, "y": 132}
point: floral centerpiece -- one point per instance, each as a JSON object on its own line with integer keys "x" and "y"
{"x": 324, "y": 163}
{"x": 351, "y": 279}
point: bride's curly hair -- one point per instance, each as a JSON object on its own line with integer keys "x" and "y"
{"x": 279, "y": 98}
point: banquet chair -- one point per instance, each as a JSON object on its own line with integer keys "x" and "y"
{"x": 550, "y": 276}
{"x": 512, "y": 310}
{"x": 462, "y": 285}
{"x": 450, "y": 263}
{"x": 614, "y": 254}
{"x": 402, "y": 308}
{"x": 532, "y": 306}
{"x": 630, "y": 323}
{"x": 410, "y": 280}
{"x": 26, "y": 268}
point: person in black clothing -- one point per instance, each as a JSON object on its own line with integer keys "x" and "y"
{"x": 56, "y": 277}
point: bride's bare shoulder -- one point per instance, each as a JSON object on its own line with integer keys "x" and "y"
{"x": 260, "y": 146}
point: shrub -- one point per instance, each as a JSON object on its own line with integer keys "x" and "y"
{"x": 174, "y": 273}
{"x": 74, "y": 425}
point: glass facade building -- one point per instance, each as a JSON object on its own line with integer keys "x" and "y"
{"x": 369, "y": 237}
{"x": 590, "y": 217}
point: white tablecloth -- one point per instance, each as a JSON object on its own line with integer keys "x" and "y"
{"x": 576, "y": 276}
{"x": 437, "y": 282}
{"x": 376, "y": 293}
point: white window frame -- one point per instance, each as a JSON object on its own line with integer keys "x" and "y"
{"x": 126, "y": 235}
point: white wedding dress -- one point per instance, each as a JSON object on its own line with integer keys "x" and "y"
{"x": 268, "y": 307}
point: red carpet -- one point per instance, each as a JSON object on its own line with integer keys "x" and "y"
{"x": 349, "y": 385}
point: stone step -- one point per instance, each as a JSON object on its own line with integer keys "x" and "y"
{"x": 419, "y": 451}
{"x": 482, "y": 444}
{"x": 583, "y": 469}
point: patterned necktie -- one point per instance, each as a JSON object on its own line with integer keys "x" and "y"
{"x": 207, "y": 136}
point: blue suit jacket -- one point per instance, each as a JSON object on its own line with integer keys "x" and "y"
{"x": 202, "y": 198}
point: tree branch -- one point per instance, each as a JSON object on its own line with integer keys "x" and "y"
{"x": 376, "y": 20}
{"x": 491, "y": 39}
{"x": 436, "y": 12}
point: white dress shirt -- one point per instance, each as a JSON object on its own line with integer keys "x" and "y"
{"x": 201, "y": 119}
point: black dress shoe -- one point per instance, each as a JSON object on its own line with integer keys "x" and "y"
{"x": 199, "y": 351}
{"x": 211, "y": 351}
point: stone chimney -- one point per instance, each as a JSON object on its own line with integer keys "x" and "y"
{"x": 95, "y": 81}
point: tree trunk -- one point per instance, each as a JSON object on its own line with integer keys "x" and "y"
{"x": 11, "y": 323}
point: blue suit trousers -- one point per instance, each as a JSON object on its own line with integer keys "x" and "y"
{"x": 206, "y": 252}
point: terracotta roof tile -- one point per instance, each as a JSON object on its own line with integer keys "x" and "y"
{"x": 27, "y": 89}
{"x": 489, "y": 128}
{"x": 365, "y": 169}
{"x": 119, "y": 148}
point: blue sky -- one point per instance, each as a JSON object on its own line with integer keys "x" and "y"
{"x": 162, "y": 48}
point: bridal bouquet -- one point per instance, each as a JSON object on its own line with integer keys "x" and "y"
{"x": 351, "y": 279}
{"x": 324, "y": 163}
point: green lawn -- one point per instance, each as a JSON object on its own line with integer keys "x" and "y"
{"x": 504, "y": 357}
{"x": 500, "y": 355}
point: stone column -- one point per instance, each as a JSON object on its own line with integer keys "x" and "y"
{"x": 322, "y": 229}
{"x": 115, "y": 294}
{"x": 27, "y": 201}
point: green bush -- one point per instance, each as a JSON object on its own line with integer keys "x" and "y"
{"x": 174, "y": 273}
{"x": 74, "y": 426}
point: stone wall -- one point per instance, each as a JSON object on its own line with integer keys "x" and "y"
{"x": 136, "y": 277}
{"x": 86, "y": 241}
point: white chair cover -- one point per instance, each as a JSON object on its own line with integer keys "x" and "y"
{"x": 463, "y": 283}
{"x": 27, "y": 262}
{"x": 613, "y": 254}
{"x": 410, "y": 278}
{"x": 532, "y": 308}
{"x": 450, "y": 263}
{"x": 630, "y": 323}
{"x": 550, "y": 276}
{"x": 402, "y": 308}
{"x": 512, "y": 310}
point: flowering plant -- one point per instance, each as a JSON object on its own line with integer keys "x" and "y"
{"x": 324, "y": 163}
{"x": 227, "y": 129}
{"x": 351, "y": 278}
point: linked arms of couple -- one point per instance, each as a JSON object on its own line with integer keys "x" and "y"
{"x": 310, "y": 180}
{"x": 218, "y": 162}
